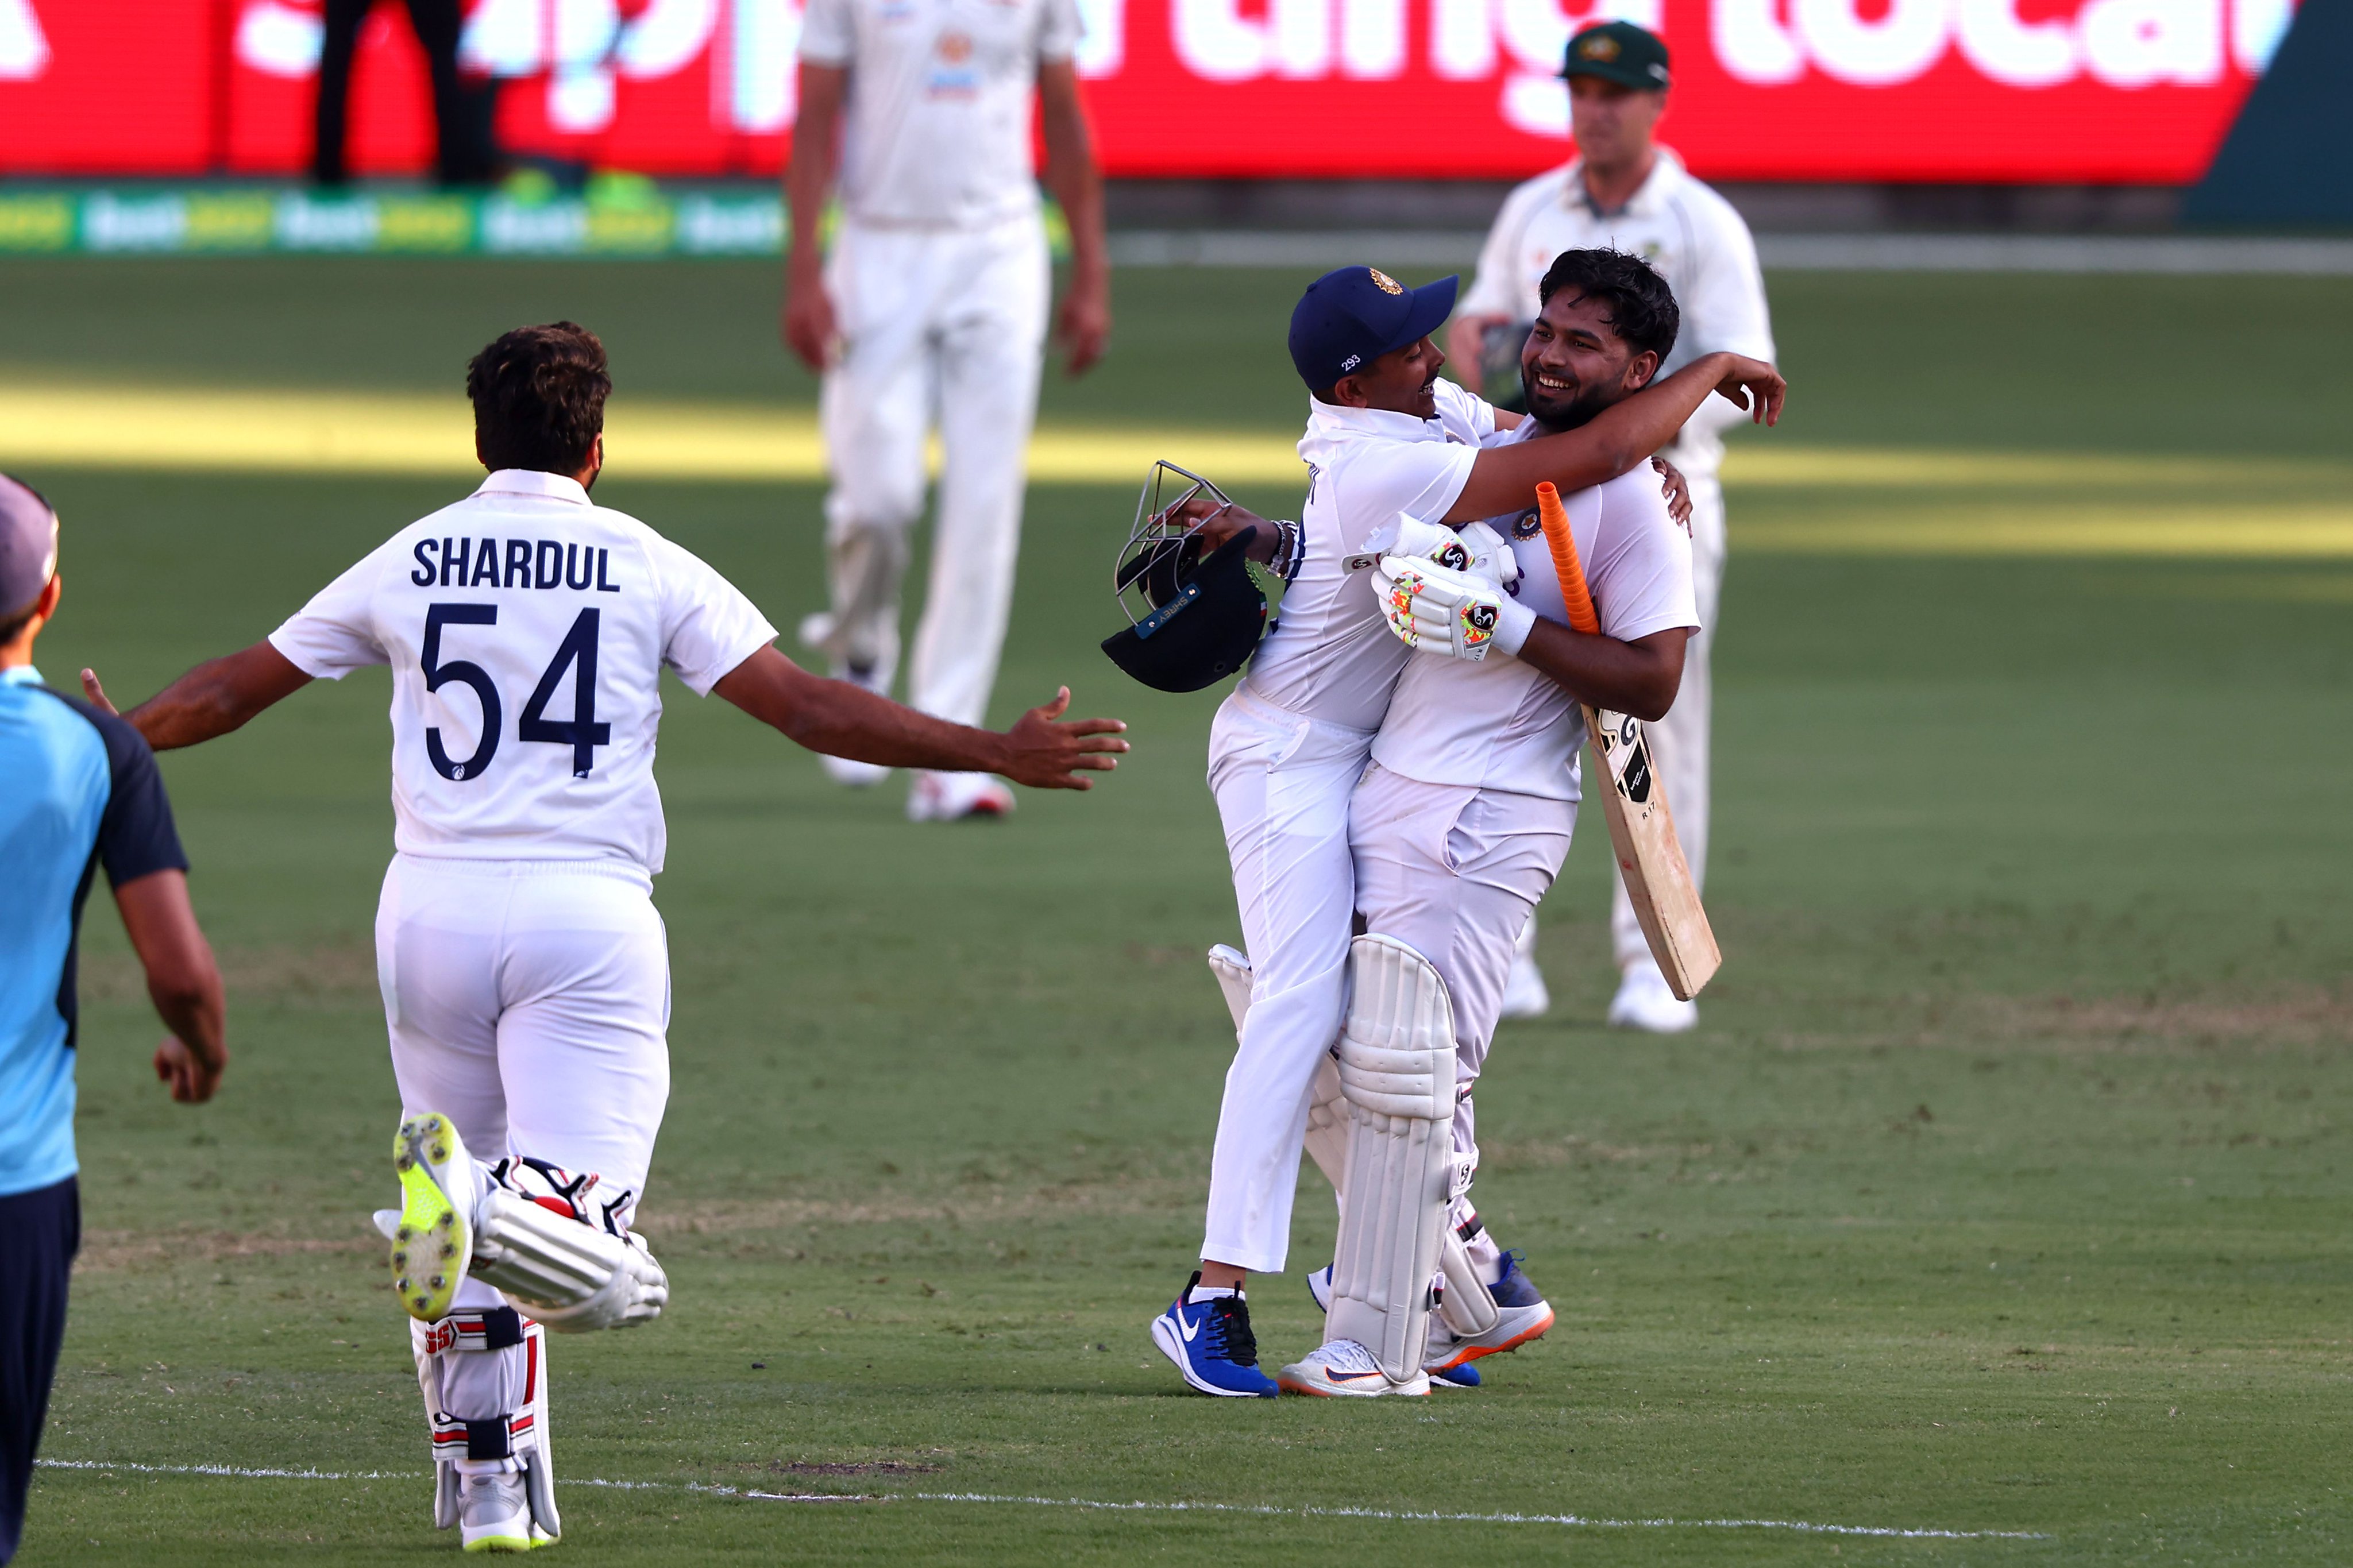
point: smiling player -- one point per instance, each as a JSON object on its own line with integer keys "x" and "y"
{"x": 1460, "y": 825}
{"x": 1394, "y": 461}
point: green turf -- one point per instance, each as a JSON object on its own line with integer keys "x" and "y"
{"x": 2001, "y": 1190}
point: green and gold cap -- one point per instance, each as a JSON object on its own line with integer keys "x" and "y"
{"x": 1619, "y": 52}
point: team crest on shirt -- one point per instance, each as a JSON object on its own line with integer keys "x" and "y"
{"x": 955, "y": 47}
{"x": 1384, "y": 282}
{"x": 1527, "y": 525}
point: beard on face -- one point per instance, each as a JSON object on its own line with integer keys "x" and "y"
{"x": 1557, "y": 415}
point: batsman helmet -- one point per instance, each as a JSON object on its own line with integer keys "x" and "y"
{"x": 1192, "y": 618}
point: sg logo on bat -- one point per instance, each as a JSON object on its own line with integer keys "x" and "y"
{"x": 1628, "y": 752}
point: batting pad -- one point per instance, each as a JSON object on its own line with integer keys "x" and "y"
{"x": 1396, "y": 1073}
{"x": 569, "y": 1276}
{"x": 1327, "y": 1126}
{"x": 1232, "y": 969}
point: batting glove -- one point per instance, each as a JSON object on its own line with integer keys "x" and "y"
{"x": 1442, "y": 609}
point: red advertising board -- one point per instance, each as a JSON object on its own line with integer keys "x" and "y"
{"x": 2076, "y": 90}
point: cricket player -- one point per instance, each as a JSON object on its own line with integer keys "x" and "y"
{"x": 1460, "y": 825}
{"x": 1625, "y": 191}
{"x": 78, "y": 790}
{"x": 1395, "y": 462}
{"x": 932, "y": 308}
{"x": 525, "y": 975}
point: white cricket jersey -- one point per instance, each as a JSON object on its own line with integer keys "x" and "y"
{"x": 1692, "y": 236}
{"x": 1331, "y": 656}
{"x": 939, "y": 109}
{"x": 527, "y": 630}
{"x": 1500, "y": 724}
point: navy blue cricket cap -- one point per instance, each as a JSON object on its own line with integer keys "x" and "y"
{"x": 29, "y": 545}
{"x": 1350, "y": 318}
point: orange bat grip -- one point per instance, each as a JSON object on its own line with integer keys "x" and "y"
{"x": 1555, "y": 518}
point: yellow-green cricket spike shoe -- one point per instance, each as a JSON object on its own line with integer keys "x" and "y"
{"x": 433, "y": 1239}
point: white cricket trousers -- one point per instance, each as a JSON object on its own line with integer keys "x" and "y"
{"x": 1454, "y": 871}
{"x": 1679, "y": 743}
{"x": 528, "y": 1002}
{"x": 942, "y": 326}
{"x": 1282, "y": 784}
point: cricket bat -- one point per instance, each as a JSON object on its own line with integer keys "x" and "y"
{"x": 1642, "y": 828}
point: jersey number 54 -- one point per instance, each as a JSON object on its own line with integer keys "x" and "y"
{"x": 582, "y": 731}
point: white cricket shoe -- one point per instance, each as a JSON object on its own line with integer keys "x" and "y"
{"x": 1525, "y": 996}
{"x": 1644, "y": 1002}
{"x": 1343, "y": 1369}
{"x": 494, "y": 1513}
{"x": 953, "y": 797}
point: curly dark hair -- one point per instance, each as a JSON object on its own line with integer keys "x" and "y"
{"x": 538, "y": 397}
{"x": 1642, "y": 308}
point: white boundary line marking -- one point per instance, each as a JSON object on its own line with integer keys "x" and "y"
{"x": 1262, "y": 1510}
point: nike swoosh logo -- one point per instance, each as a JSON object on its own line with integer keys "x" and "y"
{"x": 1188, "y": 1332}
{"x": 1351, "y": 1376}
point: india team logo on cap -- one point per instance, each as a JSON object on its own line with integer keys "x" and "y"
{"x": 1596, "y": 45}
{"x": 1382, "y": 280}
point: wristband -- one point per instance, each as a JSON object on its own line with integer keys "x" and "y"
{"x": 1513, "y": 622}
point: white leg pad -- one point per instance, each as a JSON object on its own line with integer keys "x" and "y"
{"x": 1327, "y": 1130}
{"x": 1327, "y": 1127}
{"x": 1232, "y": 968}
{"x": 570, "y": 1277}
{"x": 1396, "y": 1075}
{"x": 1468, "y": 1306}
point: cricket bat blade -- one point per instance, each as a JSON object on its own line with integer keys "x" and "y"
{"x": 1649, "y": 857}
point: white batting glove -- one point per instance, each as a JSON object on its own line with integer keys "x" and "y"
{"x": 1441, "y": 609}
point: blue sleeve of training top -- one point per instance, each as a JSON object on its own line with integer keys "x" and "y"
{"x": 136, "y": 836}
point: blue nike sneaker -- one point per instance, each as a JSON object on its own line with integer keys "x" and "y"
{"x": 1211, "y": 1343}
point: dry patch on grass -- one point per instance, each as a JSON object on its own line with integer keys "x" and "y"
{"x": 2310, "y": 1017}
{"x": 104, "y": 1251}
{"x": 337, "y": 973}
{"x": 983, "y": 1209}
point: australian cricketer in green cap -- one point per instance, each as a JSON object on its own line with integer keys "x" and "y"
{"x": 1620, "y": 52}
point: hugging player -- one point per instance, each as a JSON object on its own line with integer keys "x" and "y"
{"x": 1399, "y": 461}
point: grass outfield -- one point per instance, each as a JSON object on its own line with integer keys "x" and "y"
{"x": 2002, "y": 1189}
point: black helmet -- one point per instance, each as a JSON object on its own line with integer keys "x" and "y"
{"x": 1200, "y": 619}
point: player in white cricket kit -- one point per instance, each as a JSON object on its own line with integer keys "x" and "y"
{"x": 1394, "y": 462}
{"x": 1461, "y": 823}
{"x": 933, "y": 308}
{"x": 524, "y": 968}
{"x": 1627, "y": 193}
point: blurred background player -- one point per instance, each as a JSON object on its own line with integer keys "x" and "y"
{"x": 1623, "y": 191}
{"x": 462, "y": 108}
{"x": 81, "y": 791}
{"x": 524, "y": 970}
{"x": 932, "y": 308}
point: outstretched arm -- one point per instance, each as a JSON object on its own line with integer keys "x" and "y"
{"x": 211, "y": 699}
{"x": 1504, "y": 479}
{"x": 845, "y": 720}
{"x": 182, "y": 980}
{"x": 1639, "y": 678}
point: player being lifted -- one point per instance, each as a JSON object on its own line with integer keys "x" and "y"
{"x": 1458, "y": 826}
{"x": 524, "y": 971}
{"x": 1395, "y": 463}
